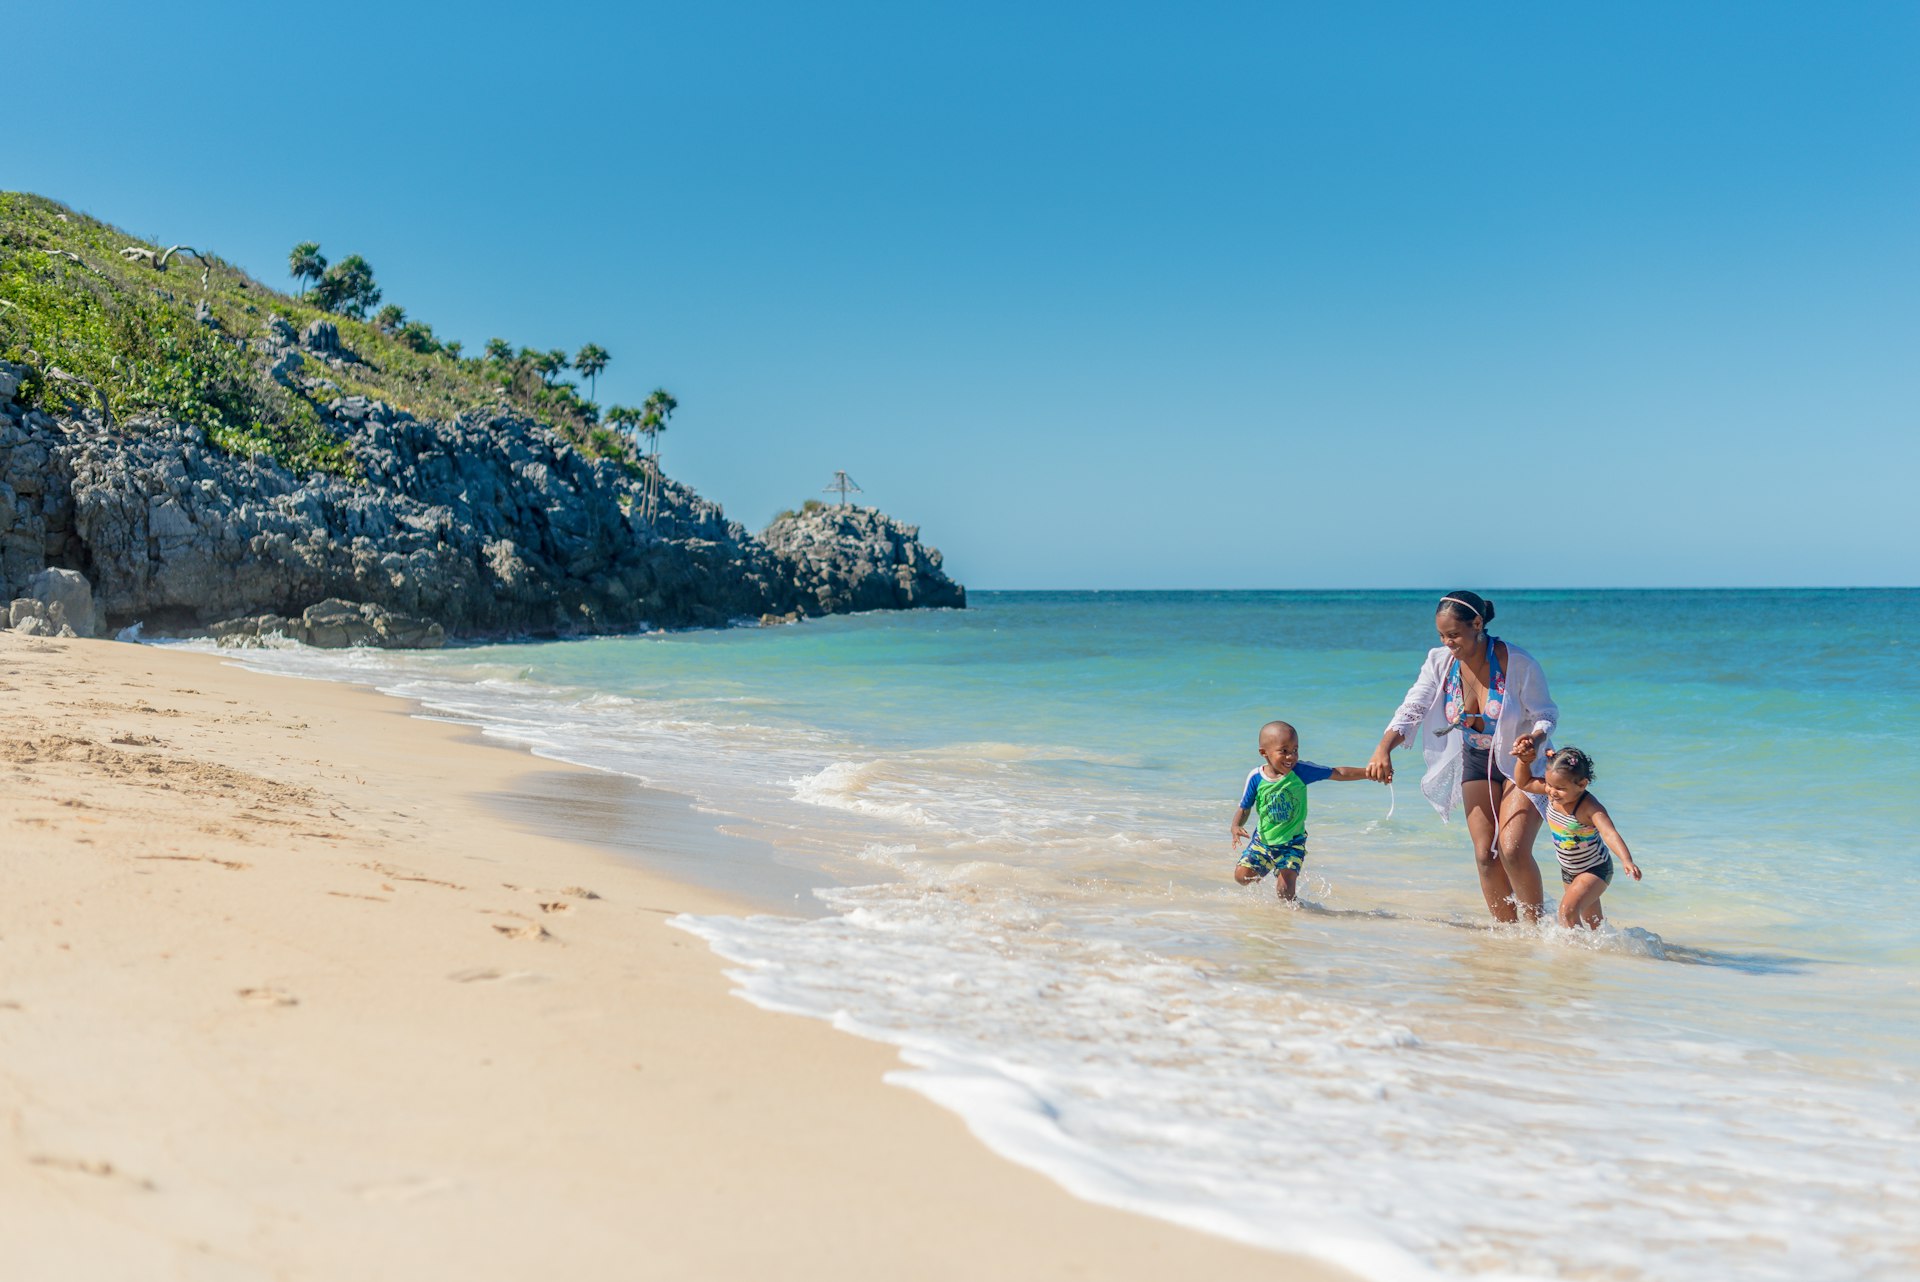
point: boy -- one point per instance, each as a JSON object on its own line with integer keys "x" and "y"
{"x": 1277, "y": 790}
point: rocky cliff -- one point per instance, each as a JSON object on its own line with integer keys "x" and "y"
{"x": 487, "y": 525}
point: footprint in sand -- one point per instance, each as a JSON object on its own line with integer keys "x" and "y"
{"x": 406, "y": 1190}
{"x": 269, "y": 997}
{"x": 90, "y": 1166}
{"x": 487, "y": 975}
{"x": 527, "y": 930}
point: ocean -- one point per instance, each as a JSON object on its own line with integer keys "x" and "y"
{"x": 1016, "y": 820}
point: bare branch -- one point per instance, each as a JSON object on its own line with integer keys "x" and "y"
{"x": 106, "y": 411}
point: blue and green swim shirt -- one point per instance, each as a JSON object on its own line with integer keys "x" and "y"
{"x": 1280, "y": 804}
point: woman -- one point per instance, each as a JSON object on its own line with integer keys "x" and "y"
{"x": 1477, "y": 699}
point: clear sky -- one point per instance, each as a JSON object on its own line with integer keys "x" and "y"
{"x": 1115, "y": 295}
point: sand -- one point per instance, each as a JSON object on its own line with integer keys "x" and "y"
{"x": 283, "y": 994}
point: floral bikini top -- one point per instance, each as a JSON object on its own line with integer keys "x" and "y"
{"x": 1489, "y": 714}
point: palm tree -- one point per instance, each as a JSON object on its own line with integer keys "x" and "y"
{"x": 347, "y": 287}
{"x": 590, "y": 360}
{"x": 546, "y": 364}
{"x": 654, "y": 413}
{"x": 390, "y": 318}
{"x": 623, "y": 419}
{"x": 305, "y": 263}
{"x": 499, "y": 350}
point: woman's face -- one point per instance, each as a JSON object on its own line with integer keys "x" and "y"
{"x": 1463, "y": 640}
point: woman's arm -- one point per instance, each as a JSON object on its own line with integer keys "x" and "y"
{"x": 1406, "y": 718}
{"x": 1603, "y": 821}
{"x": 1537, "y": 702}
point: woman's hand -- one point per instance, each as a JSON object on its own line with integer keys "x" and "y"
{"x": 1526, "y": 746}
{"x": 1380, "y": 765}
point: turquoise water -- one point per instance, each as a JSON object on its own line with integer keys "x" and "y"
{"x": 1021, "y": 810}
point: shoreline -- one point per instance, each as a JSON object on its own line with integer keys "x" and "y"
{"x": 280, "y": 997}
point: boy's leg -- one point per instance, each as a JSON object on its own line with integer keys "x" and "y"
{"x": 1284, "y": 880}
{"x": 1255, "y": 862}
{"x": 1580, "y": 906}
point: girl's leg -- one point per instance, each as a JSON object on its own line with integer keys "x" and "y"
{"x": 1477, "y": 796}
{"x": 1580, "y": 906}
{"x": 1519, "y": 825}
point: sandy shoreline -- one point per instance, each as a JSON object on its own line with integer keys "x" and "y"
{"x": 282, "y": 995}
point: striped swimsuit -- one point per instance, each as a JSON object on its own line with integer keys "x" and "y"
{"x": 1578, "y": 845}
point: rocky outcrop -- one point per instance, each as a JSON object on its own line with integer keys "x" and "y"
{"x": 856, "y": 558}
{"x": 57, "y": 603}
{"x": 488, "y": 525}
{"x": 335, "y": 625}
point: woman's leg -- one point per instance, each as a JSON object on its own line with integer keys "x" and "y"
{"x": 1478, "y": 798}
{"x": 1519, "y": 825}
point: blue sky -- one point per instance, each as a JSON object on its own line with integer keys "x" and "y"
{"x": 1258, "y": 295}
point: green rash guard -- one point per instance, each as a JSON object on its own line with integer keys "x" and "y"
{"x": 1280, "y": 804}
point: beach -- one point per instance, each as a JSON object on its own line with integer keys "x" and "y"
{"x": 283, "y": 994}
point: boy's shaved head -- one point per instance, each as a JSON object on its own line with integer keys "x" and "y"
{"x": 1278, "y": 730}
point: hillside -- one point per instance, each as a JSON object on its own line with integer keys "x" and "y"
{"x": 135, "y": 331}
{"x": 212, "y": 454}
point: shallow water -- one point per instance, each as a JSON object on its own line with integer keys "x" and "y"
{"x": 1023, "y": 810}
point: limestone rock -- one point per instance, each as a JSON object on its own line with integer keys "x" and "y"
{"x": 322, "y": 338}
{"x": 486, "y": 525}
{"x": 857, "y": 558}
{"x": 68, "y": 598}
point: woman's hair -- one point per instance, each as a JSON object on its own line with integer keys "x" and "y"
{"x": 1464, "y": 607}
{"x": 1572, "y": 761}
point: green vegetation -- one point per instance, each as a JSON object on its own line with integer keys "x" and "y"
{"x": 811, "y": 505}
{"x": 106, "y": 320}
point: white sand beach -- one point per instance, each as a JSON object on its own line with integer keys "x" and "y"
{"x": 282, "y": 996}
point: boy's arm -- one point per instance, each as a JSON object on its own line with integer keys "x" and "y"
{"x": 1238, "y": 832}
{"x": 1603, "y": 821}
{"x": 1350, "y": 774}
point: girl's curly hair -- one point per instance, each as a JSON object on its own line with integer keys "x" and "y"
{"x": 1573, "y": 761}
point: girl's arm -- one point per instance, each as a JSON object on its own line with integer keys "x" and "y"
{"x": 1406, "y": 718}
{"x": 1523, "y": 778}
{"x": 1603, "y": 821}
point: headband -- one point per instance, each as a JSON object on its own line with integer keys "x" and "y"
{"x": 1463, "y": 605}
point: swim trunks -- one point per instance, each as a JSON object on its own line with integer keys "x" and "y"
{"x": 1261, "y": 860}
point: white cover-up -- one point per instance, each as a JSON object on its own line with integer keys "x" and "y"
{"x": 1422, "y": 715}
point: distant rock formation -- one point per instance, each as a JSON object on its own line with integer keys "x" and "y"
{"x": 855, "y": 558}
{"x": 486, "y": 526}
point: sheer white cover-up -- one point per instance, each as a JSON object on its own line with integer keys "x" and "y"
{"x": 1422, "y": 715}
